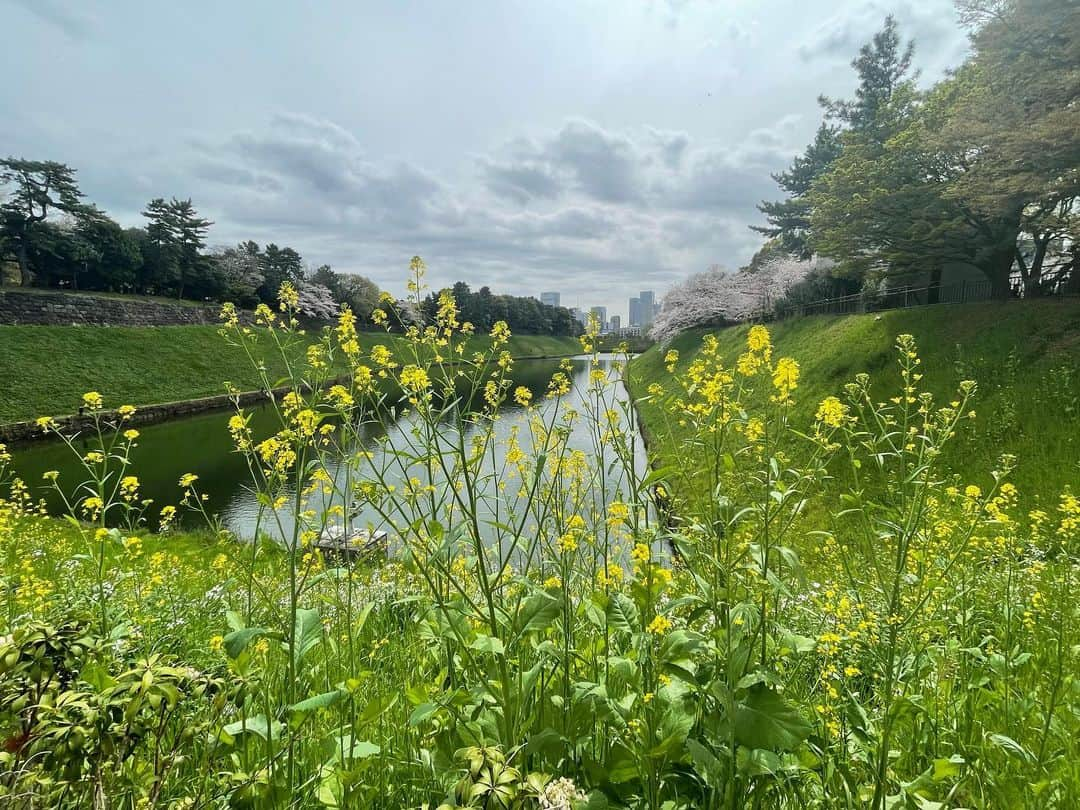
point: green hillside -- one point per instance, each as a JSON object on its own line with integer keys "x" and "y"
{"x": 46, "y": 369}
{"x": 1024, "y": 356}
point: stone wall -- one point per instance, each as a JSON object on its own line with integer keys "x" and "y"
{"x": 65, "y": 309}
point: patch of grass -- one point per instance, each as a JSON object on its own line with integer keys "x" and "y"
{"x": 46, "y": 369}
{"x": 1024, "y": 356}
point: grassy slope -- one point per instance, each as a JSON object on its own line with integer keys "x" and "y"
{"x": 1025, "y": 357}
{"x": 46, "y": 369}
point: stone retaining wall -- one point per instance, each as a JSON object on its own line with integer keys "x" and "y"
{"x": 66, "y": 309}
{"x": 18, "y": 432}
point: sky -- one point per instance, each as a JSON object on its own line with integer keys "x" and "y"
{"x": 593, "y": 148}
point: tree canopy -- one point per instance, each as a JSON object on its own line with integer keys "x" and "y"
{"x": 981, "y": 169}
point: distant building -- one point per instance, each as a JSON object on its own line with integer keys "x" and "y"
{"x": 648, "y": 308}
{"x": 600, "y": 314}
{"x": 549, "y": 298}
{"x": 616, "y": 323}
{"x": 630, "y": 331}
{"x": 578, "y": 315}
{"x": 635, "y": 312}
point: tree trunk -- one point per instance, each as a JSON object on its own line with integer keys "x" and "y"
{"x": 25, "y": 274}
{"x": 933, "y": 292}
{"x": 1033, "y": 283}
{"x": 1000, "y": 253}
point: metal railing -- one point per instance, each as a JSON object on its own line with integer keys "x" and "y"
{"x": 962, "y": 292}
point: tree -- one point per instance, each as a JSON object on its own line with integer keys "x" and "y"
{"x": 361, "y": 294}
{"x": 315, "y": 301}
{"x": 240, "y": 272}
{"x": 112, "y": 258}
{"x": 161, "y": 260}
{"x": 789, "y": 220}
{"x": 36, "y": 188}
{"x": 716, "y": 297}
{"x": 278, "y": 266}
{"x": 1015, "y": 119}
{"x": 883, "y": 66}
{"x": 189, "y": 234}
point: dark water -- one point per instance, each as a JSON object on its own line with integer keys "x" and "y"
{"x": 201, "y": 445}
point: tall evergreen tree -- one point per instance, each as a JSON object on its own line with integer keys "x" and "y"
{"x": 789, "y": 220}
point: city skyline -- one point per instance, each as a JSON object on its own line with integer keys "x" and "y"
{"x": 641, "y": 311}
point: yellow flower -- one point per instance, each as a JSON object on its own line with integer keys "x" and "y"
{"x": 659, "y": 625}
{"x": 187, "y": 479}
{"x": 288, "y": 297}
{"x": 51, "y": 475}
{"x": 126, "y": 411}
{"x": 567, "y": 542}
{"x": 785, "y": 378}
{"x": 45, "y": 422}
{"x": 832, "y": 412}
{"x": 216, "y": 643}
{"x": 131, "y": 435}
{"x": 93, "y": 400}
{"x": 640, "y": 553}
{"x": 522, "y": 396}
{"x": 758, "y": 340}
{"x": 414, "y": 378}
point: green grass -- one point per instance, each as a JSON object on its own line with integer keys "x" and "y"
{"x": 46, "y": 369}
{"x": 1024, "y": 356}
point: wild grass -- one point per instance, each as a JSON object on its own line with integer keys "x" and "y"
{"x": 847, "y": 622}
{"x": 47, "y": 368}
{"x": 1025, "y": 356}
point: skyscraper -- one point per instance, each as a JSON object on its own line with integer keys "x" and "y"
{"x": 635, "y": 312}
{"x": 600, "y": 313}
{"x": 648, "y": 308}
{"x": 616, "y": 323}
{"x": 549, "y": 298}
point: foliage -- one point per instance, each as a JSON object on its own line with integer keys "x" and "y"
{"x": 521, "y": 313}
{"x": 560, "y": 630}
{"x": 978, "y": 170}
{"x": 716, "y": 297}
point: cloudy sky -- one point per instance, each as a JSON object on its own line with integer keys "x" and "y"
{"x": 595, "y": 148}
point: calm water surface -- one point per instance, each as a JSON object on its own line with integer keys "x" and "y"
{"x": 201, "y": 445}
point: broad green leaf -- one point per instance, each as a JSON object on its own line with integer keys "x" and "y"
{"x": 763, "y": 719}
{"x": 307, "y": 633}
{"x": 622, "y": 614}
{"x": 537, "y": 612}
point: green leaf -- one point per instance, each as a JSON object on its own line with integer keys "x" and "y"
{"x": 622, "y": 614}
{"x": 763, "y": 719}
{"x": 307, "y": 633}
{"x": 237, "y": 641}
{"x": 317, "y": 702}
{"x": 537, "y": 612}
{"x": 487, "y": 644}
{"x": 257, "y": 725}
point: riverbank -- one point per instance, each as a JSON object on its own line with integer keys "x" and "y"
{"x": 47, "y": 368}
{"x": 1025, "y": 358}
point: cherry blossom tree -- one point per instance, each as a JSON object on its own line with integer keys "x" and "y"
{"x": 316, "y": 301}
{"x": 717, "y": 297}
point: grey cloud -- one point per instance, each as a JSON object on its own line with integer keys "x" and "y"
{"x": 521, "y": 183}
{"x": 602, "y": 164}
{"x": 932, "y": 24}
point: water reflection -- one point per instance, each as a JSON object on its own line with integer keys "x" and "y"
{"x": 201, "y": 445}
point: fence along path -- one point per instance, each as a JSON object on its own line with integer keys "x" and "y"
{"x": 962, "y": 292}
